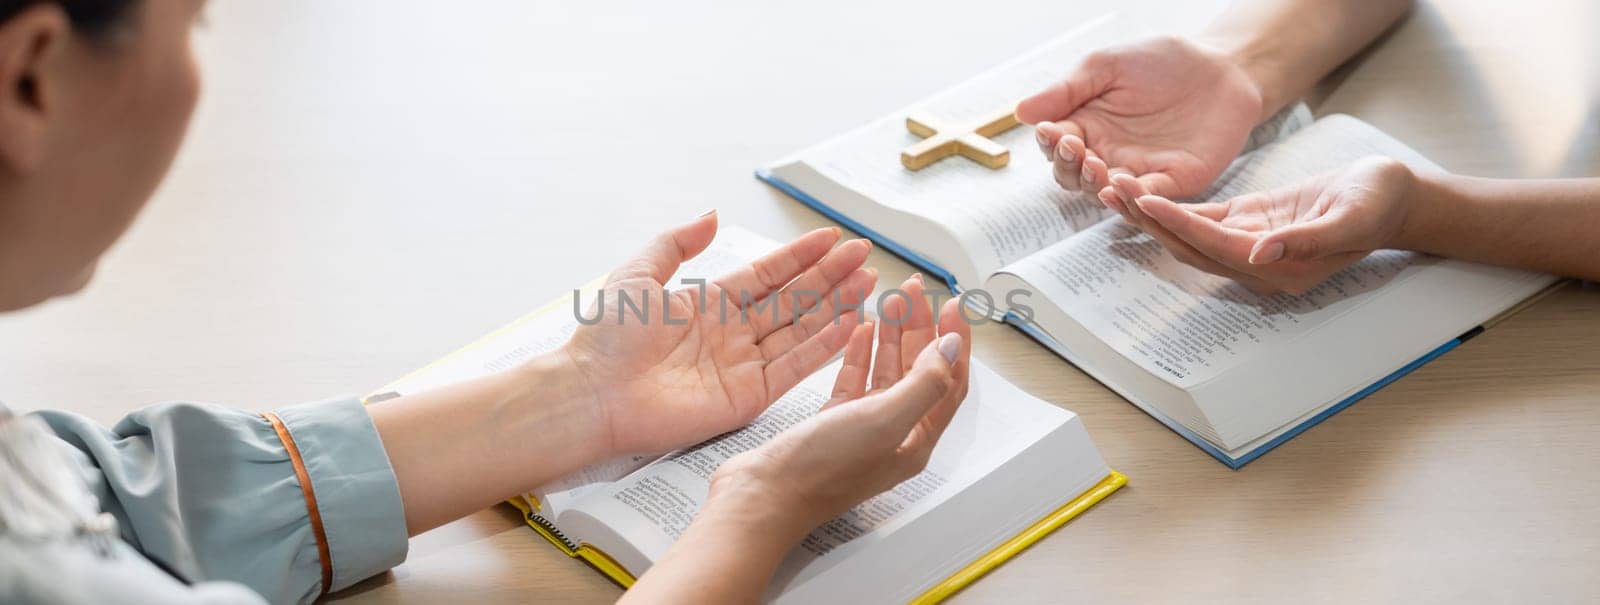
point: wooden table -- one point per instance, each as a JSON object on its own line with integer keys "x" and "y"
{"x": 369, "y": 185}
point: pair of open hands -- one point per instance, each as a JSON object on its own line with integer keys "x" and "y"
{"x": 659, "y": 385}
{"x": 1144, "y": 124}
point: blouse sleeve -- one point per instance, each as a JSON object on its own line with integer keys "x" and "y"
{"x": 293, "y": 503}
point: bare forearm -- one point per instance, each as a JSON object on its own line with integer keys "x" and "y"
{"x": 728, "y": 555}
{"x": 458, "y": 449}
{"x": 1546, "y": 225}
{"x": 1287, "y": 46}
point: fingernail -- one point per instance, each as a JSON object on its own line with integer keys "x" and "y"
{"x": 917, "y": 276}
{"x": 950, "y": 347}
{"x": 707, "y": 213}
{"x": 1267, "y": 254}
{"x": 1111, "y": 201}
{"x": 1039, "y": 135}
{"x": 837, "y": 232}
{"x": 1087, "y": 174}
{"x": 1064, "y": 151}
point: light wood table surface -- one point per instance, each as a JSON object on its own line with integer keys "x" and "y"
{"x": 369, "y": 185}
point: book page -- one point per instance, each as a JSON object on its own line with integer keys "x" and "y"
{"x": 1001, "y": 215}
{"x": 1188, "y": 326}
{"x": 998, "y": 215}
{"x": 545, "y": 331}
{"x": 653, "y": 506}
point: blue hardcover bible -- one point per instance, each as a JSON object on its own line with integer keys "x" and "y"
{"x": 1235, "y": 373}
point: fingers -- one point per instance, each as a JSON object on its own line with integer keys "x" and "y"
{"x": 1159, "y": 183}
{"x": 943, "y": 387}
{"x": 1267, "y": 252}
{"x": 806, "y": 358}
{"x": 1211, "y": 247}
{"x": 1095, "y": 174}
{"x": 851, "y": 383}
{"x": 1067, "y": 158}
{"x": 1236, "y": 249}
{"x": 1215, "y": 211}
{"x": 1357, "y": 204}
{"x": 886, "y": 368}
{"x": 814, "y": 288}
{"x": 919, "y": 328}
{"x": 951, "y": 322}
{"x": 1085, "y": 82}
{"x": 1125, "y": 189}
{"x": 1116, "y": 196}
{"x": 905, "y": 421}
{"x": 1323, "y": 236}
{"x": 662, "y": 256}
{"x": 1228, "y": 246}
{"x": 1111, "y": 199}
{"x": 1188, "y": 255}
{"x": 779, "y": 267}
{"x": 1046, "y": 135}
{"x": 817, "y": 314}
{"x": 930, "y": 382}
{"x": 1227, "y": 251}
{"x": 1119, "y": 196}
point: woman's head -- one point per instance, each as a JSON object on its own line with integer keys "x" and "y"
{"x": 95, "y": 96}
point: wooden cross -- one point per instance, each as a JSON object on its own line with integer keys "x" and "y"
{"x": 970, "y": 141}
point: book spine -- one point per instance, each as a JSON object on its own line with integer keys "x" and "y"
{"x": 549, "y": 527}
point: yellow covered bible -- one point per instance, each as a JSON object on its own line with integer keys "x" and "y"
{"x": 1009, "y": 469}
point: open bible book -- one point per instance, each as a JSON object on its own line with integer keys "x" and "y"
{"x": 1233, "y": 372}
{"x": 1009, "y": 469}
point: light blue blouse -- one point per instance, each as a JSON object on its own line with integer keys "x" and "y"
{"x": 212, "y": 495}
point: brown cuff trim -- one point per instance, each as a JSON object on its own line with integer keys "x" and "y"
{"x": 311, "y": 497}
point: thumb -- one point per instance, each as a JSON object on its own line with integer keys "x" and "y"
{"x": 1323, "y": 236}
{"x": 662, "y": 256}
{"x": 931, "y": 381}
{"x": 1064, "y": 97}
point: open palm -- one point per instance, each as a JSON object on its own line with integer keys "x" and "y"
{"x": 870, "y": 435}
{"x": 1166, "y": 110}
{"x": 1291, "y": 238}
{"x": 691, "y": 366}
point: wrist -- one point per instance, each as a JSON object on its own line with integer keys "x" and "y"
{"x": 553, "y": 396}
{"x": 730, "y": 551}
{"x": 1258, "y": 70}
{"x": 742, "y": 501}
{"x": 1425, "y": 199}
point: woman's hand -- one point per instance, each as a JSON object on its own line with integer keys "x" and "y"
{"x": 626, "y": 384}
{"x": 1174, "y": 113}
{"x": 1169, "y": 111}
{"x": 865, "y": 440}
{"x": 703, "y": 364}
{"x": 1288, "y": 239}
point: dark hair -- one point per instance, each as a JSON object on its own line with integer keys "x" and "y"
{"x": 91, "y": 17}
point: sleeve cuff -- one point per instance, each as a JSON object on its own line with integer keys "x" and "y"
{"x": 356, "y": 493}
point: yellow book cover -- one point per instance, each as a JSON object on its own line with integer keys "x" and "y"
{"x": 939, "y": 592}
